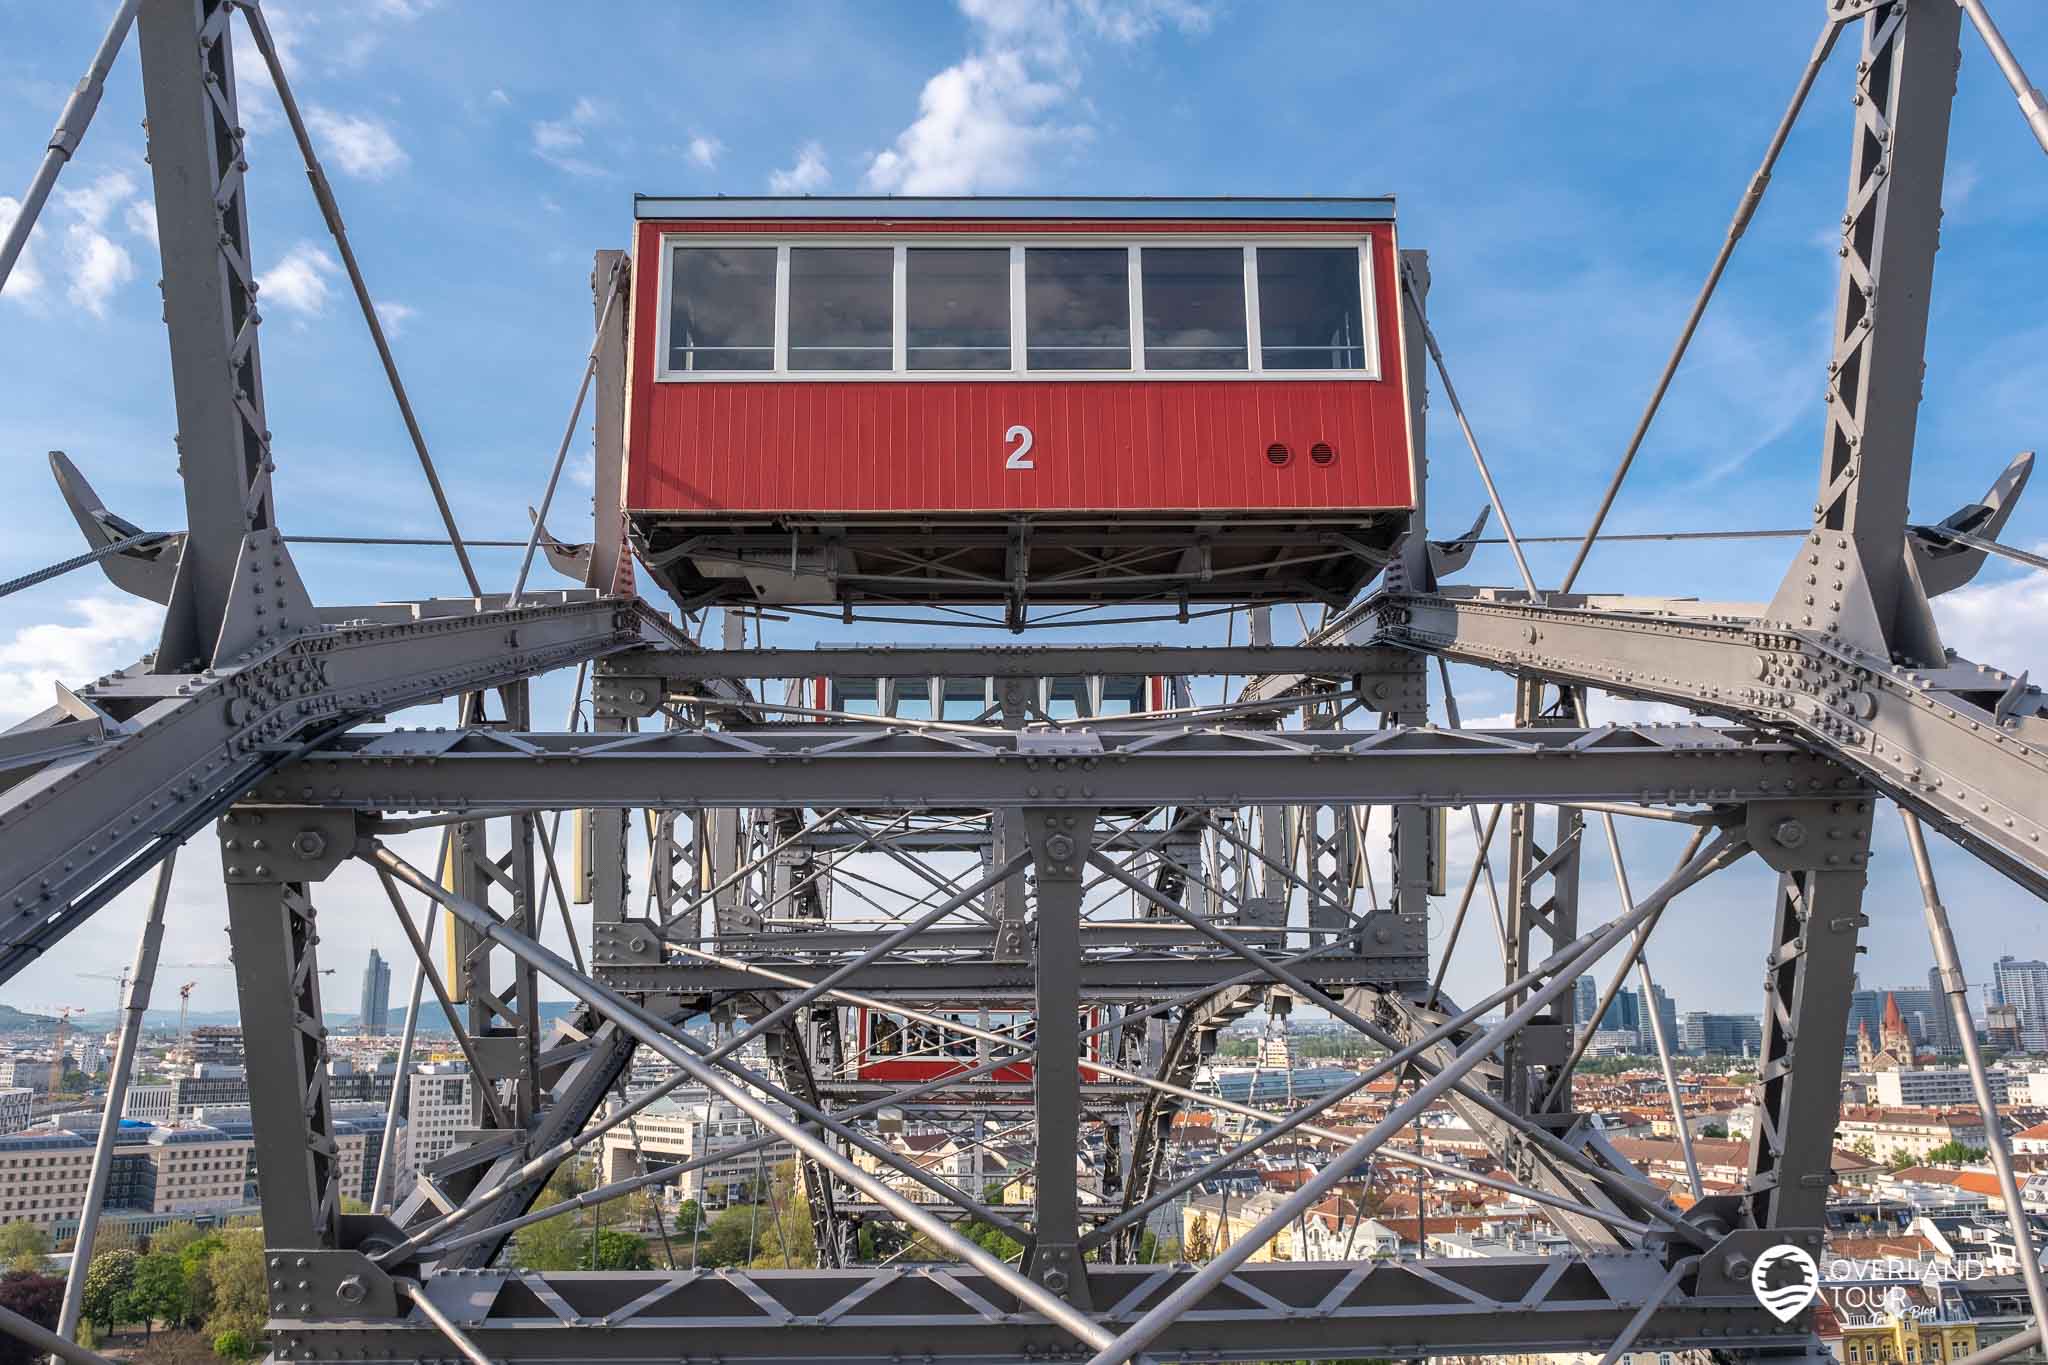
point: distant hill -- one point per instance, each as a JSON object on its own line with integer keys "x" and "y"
{"x": 13, "y": 1020}
{"x": 431, "y": 1020}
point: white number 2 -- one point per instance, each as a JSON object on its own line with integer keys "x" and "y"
{"x": 1020, "y": 458}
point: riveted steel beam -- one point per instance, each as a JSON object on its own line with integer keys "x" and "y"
{"x": 885, "y": 768}
{"x": 77, "y": 828}
{"x": 1964, "y": 746}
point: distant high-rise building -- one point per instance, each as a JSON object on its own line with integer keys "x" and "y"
{"x": 376, "y": 1003}
{"x": 1727, "y": 1035}
{"x": 1585, "y": 995}
{"x": 2024, "y": 987}
{"x": 1624, "y": 1014}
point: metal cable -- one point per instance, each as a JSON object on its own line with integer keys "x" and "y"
{"x": 1744, "y": 211}
{"x": 330, "y": 211}
{"x": 44, "y": 575}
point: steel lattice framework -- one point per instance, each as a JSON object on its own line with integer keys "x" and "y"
{"x": 723, "y": 838}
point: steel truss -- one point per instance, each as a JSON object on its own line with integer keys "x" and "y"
{"x": 1130, "y": 884}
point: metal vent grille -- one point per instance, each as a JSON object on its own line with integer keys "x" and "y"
{"x": 1278, "y": 453}
{"x": 1322, "y": 453}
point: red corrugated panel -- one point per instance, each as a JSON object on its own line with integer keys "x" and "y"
{"x": 896, "y": 446}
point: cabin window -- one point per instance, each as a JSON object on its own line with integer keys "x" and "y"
{"x": 1194, "y": 308}
{"x": 841, "y": 314}
{"x": 1311, "y": 314}
{"x": 1122, "y": 695}
{"x": 913, "y": 698}
{"x": 1183, "y": 310}
{"x": 1067, "y": 699}
{"x": 965, "y": 699}
{"x": 858, "y": 696}
{"x": 1077, "y": 308}
{"x": 722, "y": 314}
{"x": 957, "y": 308}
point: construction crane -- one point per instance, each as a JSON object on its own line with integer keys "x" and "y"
{"x": 120, "y": 988}
{"x": 184, "y": 1011}
{"x": 64, "y": 1014}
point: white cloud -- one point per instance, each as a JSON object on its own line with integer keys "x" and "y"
{"x": 25, "y": 282}
{"x": 1956, "y": 187}
{"x": 361, "y": 145}
{"x": 113, "y": 632}
{"x": 94, "y": 266}
{"x": 402, "y": 9}
{"x": 983, "y": 122}
{"x": 560, "y": 142}
{"x": 98, "y": 267}
{"x": 498, "y": 97}
{"x": 1129, "y": 21}
{"x": 808, "y": 175}
{"x": 705, "y": 151}
{"x": 395, "y": 315}
{"x": 141, "y": 219}
{"x": 2003, "y": 623}
{"x": 300, "y": 282}
{"x": 92, "y": 203}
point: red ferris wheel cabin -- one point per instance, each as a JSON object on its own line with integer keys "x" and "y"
{"x": 1015, "y": 401}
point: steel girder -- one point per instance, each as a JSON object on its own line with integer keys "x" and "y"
{"x": 1964, "y": 746}
{"x": 886, "y": 768}
{"x": 100, "y": 786}
{"x": 952, "y": 1314}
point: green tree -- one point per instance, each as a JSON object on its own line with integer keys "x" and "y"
{"x": 241, "y": 1296}
{"x": 1954, "y": 1153}
{"x": 1713, "y": 1130}
{"x": 175, "y": 1237}
{"x": 195, "y": 1261}
{"x": 107, "y": 1282}
{"x": 785, "y": 1237}
{"x": 618, "y": 1250}
{"x": 232, "y": 1343}
{"x": 732, "y": 1237}
{"x": 688, "y": 1215}
{"x": 557, "y": 1244}
{"x": 23, "y": 1246}
{"x": 158, "y": 1291}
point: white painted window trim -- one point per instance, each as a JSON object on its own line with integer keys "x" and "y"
{"x": 901, "y": 373}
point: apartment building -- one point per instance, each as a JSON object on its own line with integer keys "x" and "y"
{"x": 437, "y": 1108}
{"x": 1885, "y": 1130}
{"x": 1936, "y": 1086}
{"x": 17, "y": 1108}
{"x": 199, "y": 1166}
{"x": 683, "y": 1126}
{"x": 29, "y": 1073}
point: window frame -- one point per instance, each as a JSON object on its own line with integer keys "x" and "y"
{"x": 1364, "y": 242}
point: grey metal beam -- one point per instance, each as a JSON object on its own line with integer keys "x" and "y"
{"x": 1905, "y": 87}
{"x": 1820, "y": 850}
{"x": 197, "y": 165}
{"x": 82, "y": 826}
{"x": 951, "y": 1314}
{"x": 1122, "y": 979}
{"x": 1964, "y": 746}
{"x": 1003, "y": 661}
{"x": 878, "y": 767}
{"x": 1060, "y": 840}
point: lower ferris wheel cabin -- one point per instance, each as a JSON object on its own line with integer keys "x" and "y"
{"x": 1015, "y": 401}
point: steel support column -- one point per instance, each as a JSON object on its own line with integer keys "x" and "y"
{"x": 1060, "y": 840}
{"x": 197, "y": 165}
{"x": 1820, "y": 850}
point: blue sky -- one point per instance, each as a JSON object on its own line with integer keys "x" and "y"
{"x": 1571, "y": 168}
